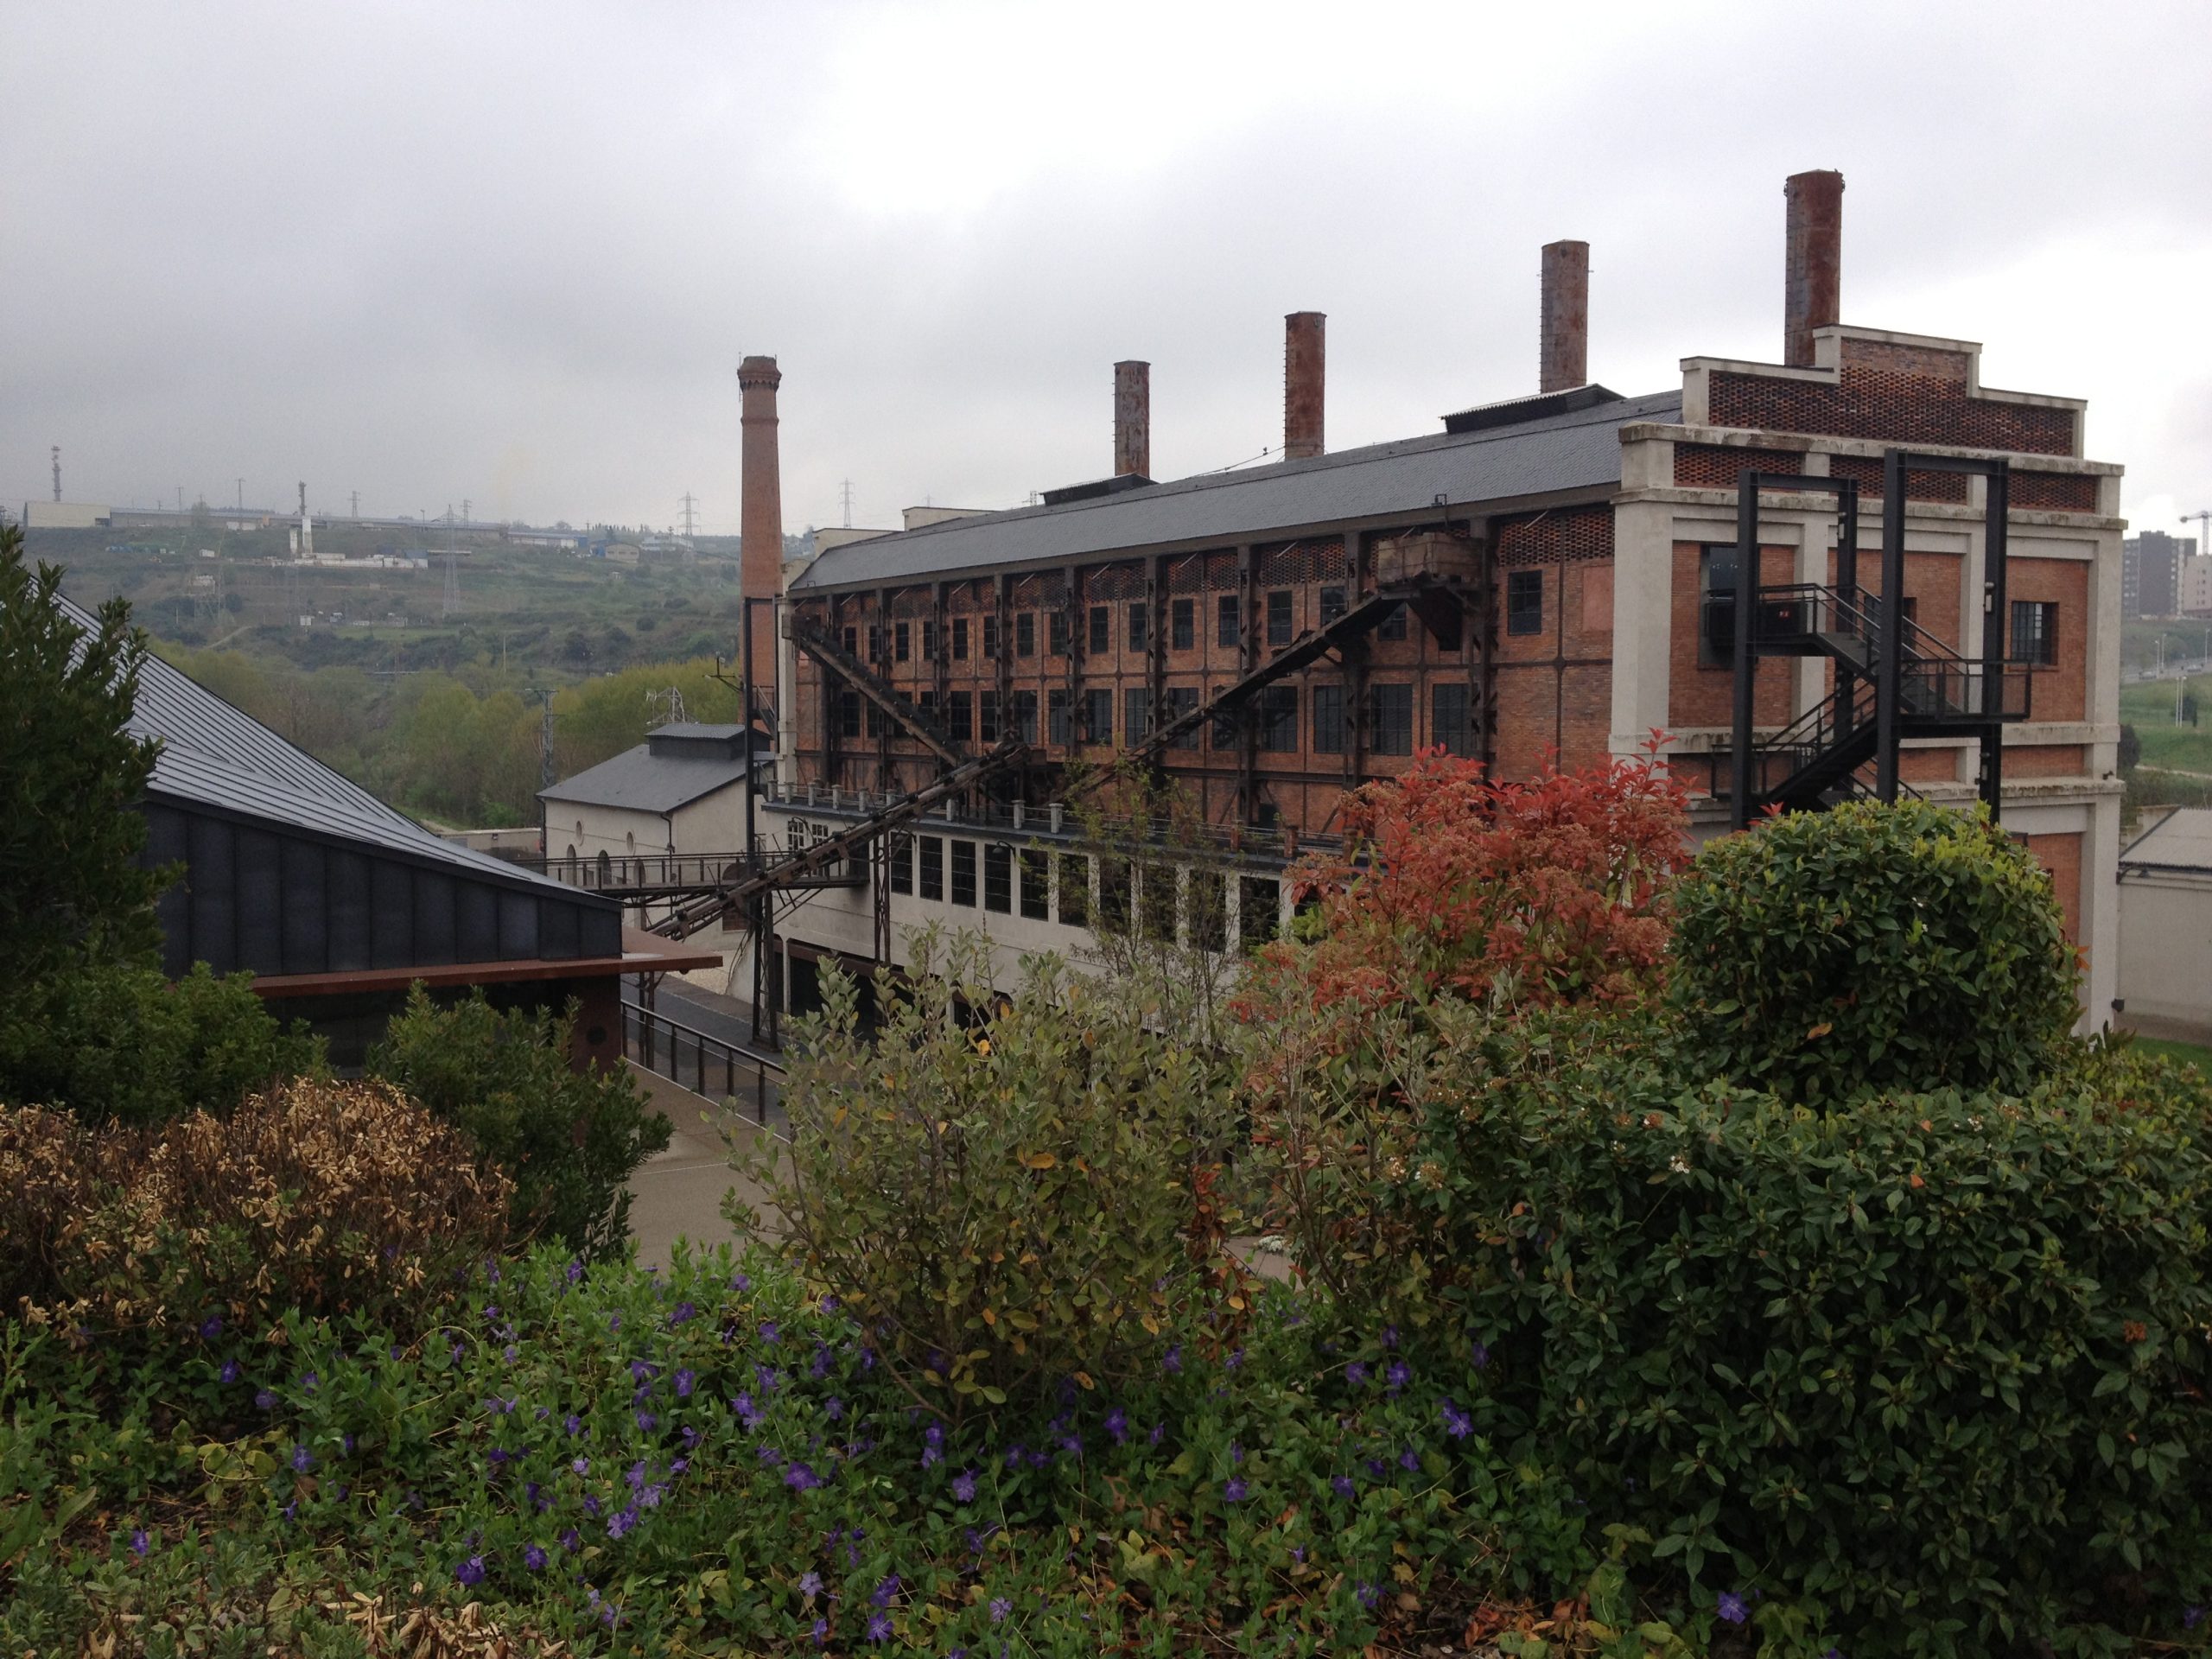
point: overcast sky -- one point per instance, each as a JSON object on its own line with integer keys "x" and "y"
{"x": 513, "y": 254}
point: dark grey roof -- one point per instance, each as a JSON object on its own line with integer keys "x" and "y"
{"x": 213, "y": 756}
{"x": 645, "y": 782}
{"x": 1573, "y": 450}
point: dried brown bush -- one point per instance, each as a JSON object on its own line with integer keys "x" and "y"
{"x": 324, "y": 1196}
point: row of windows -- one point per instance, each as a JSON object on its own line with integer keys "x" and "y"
{"x": 1070, "y": 720}
{"x": 1136, "y": 628}
{"x": 944, "y": 870}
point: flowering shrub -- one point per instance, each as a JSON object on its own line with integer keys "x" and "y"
{"x": 1006, "y": 1199}
{"x": 569, "y": 1140}
{"x": 1871, "y": 947}
{"x": 1934, "y": 1363}
{"x": 1454, "y": 889}
{"x": 318, "y": 1199}
{"x": 705, "y": 1460}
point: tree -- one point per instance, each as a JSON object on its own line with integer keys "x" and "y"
{"x": 72, "y": 887}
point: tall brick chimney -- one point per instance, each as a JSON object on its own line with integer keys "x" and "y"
{"x": 1565, "y": 345}
{"x": 1812, "y": 291}
{"x": 1303, "y": 362}
{"x": 1133, "y": 419}
{"x": 761, "y": 523}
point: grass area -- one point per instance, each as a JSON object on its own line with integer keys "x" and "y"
{"x": 2149, "y": 706}
{"x": 2196, "y": 1056}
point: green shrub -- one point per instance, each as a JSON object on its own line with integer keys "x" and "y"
{"x": 1872, "y": 947}
{"x": 1936, "y": 1362}
{"x": 117, "y": 1041}
{"x": 1007, "y": 1199}
{"x": 316, "y": 1199}
{"x": 568, "y": 1140}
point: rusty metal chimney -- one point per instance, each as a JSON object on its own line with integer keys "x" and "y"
{"x": 1303, "y": 362}
{"x": 1812, "y": 294}
{"x": 761, "y": 523}
{"x": 1565, "y": 346}
{"x": 1133, "y": 419}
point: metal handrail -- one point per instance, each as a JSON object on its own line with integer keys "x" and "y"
{"x": 648, "y": 1034}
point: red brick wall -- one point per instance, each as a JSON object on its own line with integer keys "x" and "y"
{"x": 2058, "y": 693}
{"x": 2047, "y": 760}
{"x": 1704, "y": 696}
{"x": 2061, "y": 854}
{"x": 2054, "y": 492}
{"x": 1900, "y": 404}
{"x": 1720, "y": 467}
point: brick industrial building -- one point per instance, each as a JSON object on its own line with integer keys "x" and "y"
{"x": 1553, "y": 573}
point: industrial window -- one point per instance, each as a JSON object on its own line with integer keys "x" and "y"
{"x": 1075, "y": 889}
{"x": 1183, "y": 700}
{"x": 1183, "y": 623}
{"x": 1156, "y": 903}
{"x": 1209, "y": 911}
{"x": 1525, "y": 601}
{"x": 1140, "y": 625}
{"x": 960, "y": 638}
{"x": 852, "y": 642}
{"x": 1056, "y": 634}
{"x": 929, "y": 642}
{"x": 1279, "y": 617}
{"x": 902, "y": 864}
{"x": 986, "y": 705}
{"x": 875, "y": 719}
{"x": 928, "y": 701}
{"x": 998, "y": 877}
{"x": 1393, "y": 719}
{"x": 1716, "y": 583}
{"x": 875, "y": 642}
{"x": 1025, "y": 716}
{"x": 1098, "y": 716}
{"x": 1332, "y": 604}
{"x": 848, "y": 714}
{"x": 1329, "y": 719}
{"x": 1112, "y": 895}
{"x": 902, "y": 639}
{"x": 1447, "y": 719}
{"x": 1228, "y": 726}
{"x": 1279, "y": 719}
{"x": 1025, "y": 634}
{"x": 964, "y": 873}
{"x": 1101, "y": 630}
{"x": 991, "y": 637}
{"x": 1393, "y": 625}
{"x": 959, "y": 712}
{"x": 1036, "y": 883}
{"x": 932, "y": 848}
{"x": 1136, "y": 715}
{"x": 1225, "y": 629}
{"x": 2035, "y": 631}
{"x": 1056, "y": 716}
{"x": 1259, "y": 909}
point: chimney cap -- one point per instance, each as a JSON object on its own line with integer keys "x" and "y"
{"x": 761, "y": 371}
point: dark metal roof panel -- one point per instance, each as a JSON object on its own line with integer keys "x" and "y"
{"x": 1579, "y": 449}
{"x": 645, "y": 782}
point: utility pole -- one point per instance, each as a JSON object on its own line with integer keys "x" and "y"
{"x": 465, "y": 505}
{"x": 453, "y": 582}
{"x": 688, "y": 504}
{"x": 180, "y": 500}
{"x": 845, "y": 490}
{"x": 241, "y": 495}
{"x": 546, "y": 779}
{"x": 357, "y": 504}
{"x": 57, "y": 471}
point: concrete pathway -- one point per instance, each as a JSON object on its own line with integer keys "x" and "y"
{"x": 679, "y": 1193}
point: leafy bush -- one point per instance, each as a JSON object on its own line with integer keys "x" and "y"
{"x": 1935, "y": 1362}
{"x": 1871, "y": 947}
{"x": 318, "y": 1199}
{"x": 1007, "y": 1199}
{"x": 568, "y": 1140}
{"x": 117, "y": 1041}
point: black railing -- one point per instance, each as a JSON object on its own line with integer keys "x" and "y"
{"x": 645, "y": 872}
{"x": 706, "y": 1064}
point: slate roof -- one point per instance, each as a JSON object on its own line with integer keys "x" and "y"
{"x": 1576, "y": 449}
{"x": 215, "y": 756}
{"x": 2180, "y": 841}
{"x": 645, "y": 782}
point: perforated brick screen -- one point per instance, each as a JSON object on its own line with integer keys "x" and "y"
{"x": 1720, "y": 465}
{"x": 1559, "y": 537}
{"x": 1888, "y": 404}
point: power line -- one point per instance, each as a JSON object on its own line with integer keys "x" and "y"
{"x": 688, "y": 504}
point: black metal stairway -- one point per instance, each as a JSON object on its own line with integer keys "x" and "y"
{"x": 818, "y": 643}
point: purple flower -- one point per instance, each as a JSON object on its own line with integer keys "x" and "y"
{"x": 820, "y": 1369}
{"x": 882, "y": 1594}
{"x": 801, "y": 1478}
{"x": 301, "y": 1461}
{"x": 1236, "y": 1490}
{"x": 647, "y": 1421}
{"x": 1456, "y": 1423}
{"x": 1481, "y": 1355}
{"x": 572, "y": 1540}
{"x": 1399, "y": 1375}
{"x": 1408, "y": 1461}
{"x": 1158, "y": 1434}
{"x": 1389, "y": 1336}
{"x": 622, "y": 1521}
{"x": 308, "y": 1383}
{"x": 470, "y": 1571}
{"x": 1369, "y": 1595}
{"x": 878, "y": 1627}
{"x": 582, "y": 1466}
{"x": 684, "y": 1381}
{"x": 821, "y": 1625}
{"x": 740, "y": 1281}
{"x": 833, "y": 1408}
{"x": 1172, "y": 1359}
{"x": 1117, "y": 1425}
{"x": 572, "y": 1423}
{"x": 1356, "y": 1374}
{"x": 211, "y": 1327}
{"x": 534, "y": 1558}
{"x": 264, "y": 1399}
{"x": 964, "y": 1486}
{"x": 2191, "y": 1617}
{"x": 229, "y": 1371}
{"x": 1000, "y": 1608}
{"x": 1342, "y": 1485}
{"x": 683, "y": 1311}
{"x": 639, "y": 1370}
{"x": 749, "y": 1413}
{"x": 1731, "y": 1607}
{"x": 809, "y": 1584}
{"x": 139, "y": 1542}
{"x": 591, "y": 1506}
{"x": 769, "y": 1332}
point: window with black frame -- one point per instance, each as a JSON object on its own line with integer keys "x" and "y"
{"x": 1036, "y": 883}
{"x": 901, "y": 854}
{"x": 1329, "y": 732}
{"x": 1182, "y": 624}
{"x": 1183, "y": 700}
{"x": 964, "y": 873}
{"x": 998, "y": 877}
{"x": 1716, "y": 605}
{"x": 932, "y": 882}
{"x": 1025, "y": 716}
{"x": 1392, "y": 709}
{"x": 1525, "y": 601}
{"x": 2035, "y": 632}
{"x": 1279, "y": 719}
{"x": 1447, "y": 723}
{"x": 1140, "y": 625}
{"x": 1098, "y": 716}
{"x": 1075, "y": 889}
